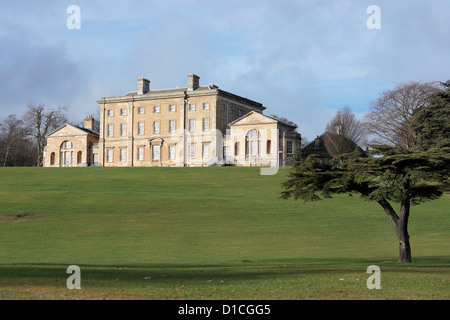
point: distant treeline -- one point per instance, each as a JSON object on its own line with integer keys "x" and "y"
{"x": 22, "y": 139}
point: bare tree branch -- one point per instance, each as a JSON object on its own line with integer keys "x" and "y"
{"x": 41, "y": 122}
{"x": 346, "y": 125}
{"x": 390, "y": 117}
{"x": 12, "y": 131}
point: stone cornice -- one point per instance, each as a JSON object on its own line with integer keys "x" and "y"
{"x": 178, "y": 93}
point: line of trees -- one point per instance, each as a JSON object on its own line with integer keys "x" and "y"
{"x": 409, "y": 162}
{"x": 22, "y": 140}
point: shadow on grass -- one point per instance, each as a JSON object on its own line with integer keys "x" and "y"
{"x": 54, "y": 275}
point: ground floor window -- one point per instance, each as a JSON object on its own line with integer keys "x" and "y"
{"x": 156, "y": 152}
{"x": 140, "y": 154}
{"x": 66, "y": 157}
{"x": 171, "y": 152}
{"x": 205, "y": 150}
{"x": 252, "y": 143}
{"x": 123, "y": 155}
{"x": 253, "y": 147}
{"x": 109, "y": 155}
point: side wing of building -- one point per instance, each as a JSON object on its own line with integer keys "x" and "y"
{"x": 259, "y": 140}
{"x": 71, "y": 146}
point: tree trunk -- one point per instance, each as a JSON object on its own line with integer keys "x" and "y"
{"x": 39, "y": 155}
{"x": 404, "y": 246}
{"x": 5, "y": 160}
{"x": 401, "y": 227}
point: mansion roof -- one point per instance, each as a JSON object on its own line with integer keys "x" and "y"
{"x": 180, "y": 92}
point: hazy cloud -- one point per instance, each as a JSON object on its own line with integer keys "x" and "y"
{"x": 33, "y": 73}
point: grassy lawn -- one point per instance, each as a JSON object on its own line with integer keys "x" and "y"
{"x": 205, "y": 233}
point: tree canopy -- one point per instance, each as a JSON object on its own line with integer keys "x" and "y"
{"x": 431, "y": 125}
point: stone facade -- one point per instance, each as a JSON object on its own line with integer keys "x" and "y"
{"x": 184, "y": 126}
{"x": 71, "y": 146}
{"x": 259, "y": 140}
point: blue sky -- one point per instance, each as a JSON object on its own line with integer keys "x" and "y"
{"x": 301, "y": 59}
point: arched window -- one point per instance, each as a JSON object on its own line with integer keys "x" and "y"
{"x": 52, "y": 158}
{"x": 268, "y": 146}
{"x": 236, "y": 148}
{"x": 252, "y": 143}
{"x": 79, "y": 154}
{"x": 66, "y": 154}
{"x": 253, "y": 134}
{"x": 66, "y": 145}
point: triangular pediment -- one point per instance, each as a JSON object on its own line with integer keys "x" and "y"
{"x": 67, "y": 130}
{"x": 253, "y": 118}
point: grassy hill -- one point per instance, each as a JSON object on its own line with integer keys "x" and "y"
{"x": 205, "y": 233}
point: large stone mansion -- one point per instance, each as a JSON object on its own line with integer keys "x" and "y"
{"x": 184, "y": 126}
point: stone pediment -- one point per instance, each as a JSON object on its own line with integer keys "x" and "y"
{"x": 253, "y": 118}
{"x": 68, "y": 130}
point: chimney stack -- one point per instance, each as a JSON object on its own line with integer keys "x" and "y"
{"x": 193, "y": 82}
{"x": 317, "y": 142}
{"x": 143, "y": 85}
{"x": 89, "y": 123}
